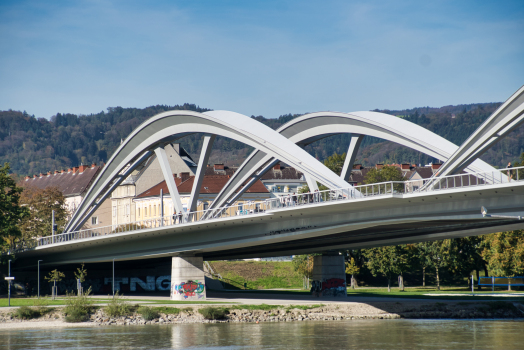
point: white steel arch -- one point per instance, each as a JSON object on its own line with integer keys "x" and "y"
{"x": 315, "y": 126}
{"x": 168, "y": 126}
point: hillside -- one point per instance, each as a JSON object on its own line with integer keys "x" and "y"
{"x": 33, "y": 145}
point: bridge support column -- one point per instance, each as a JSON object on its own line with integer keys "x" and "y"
{"x": 329, "y": 276}
{"x": 187, "y": 278}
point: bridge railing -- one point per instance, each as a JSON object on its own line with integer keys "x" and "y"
{"x": 298, "y": 199}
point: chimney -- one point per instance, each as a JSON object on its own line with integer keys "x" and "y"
{"x": 82, "y": 168}
{"x": 357, "y": 166}
{"x": 435, "y": 166}
{"x": 48, "y": 173}
{"x": 208, "y": 165}
{"x": 35, "y": 176}
{"x": 184, "y": 176}
{"x": 219, "y": 166}
{"x": 93, "y": 165}
{"x": 379, "y": 166}
{"x": 56, "y": 172}
{"x": 405, "y": 166}
{"x": 69, "y": 170}
{"x": 277, "y": 166}
{"x": 75, "y": 168}
{"x": 62, "y": 171}
{"x": 41, "y": 174}
{"x": 27, "y": 178}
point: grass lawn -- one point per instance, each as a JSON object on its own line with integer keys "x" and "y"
{"x": 421, "y": 293}
{"x": 61, "y": 301}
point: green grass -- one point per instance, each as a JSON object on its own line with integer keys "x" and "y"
{"x": 62, "y": 301}
{"x": 166, "y": 310}
{"x": 213, "y": 313}
{"x": 421, "y": 293}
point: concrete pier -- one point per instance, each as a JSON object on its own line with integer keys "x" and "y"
{"x": 187, "y": 278}
{"x": 329, "y": 276}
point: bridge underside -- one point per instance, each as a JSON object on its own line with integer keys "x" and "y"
{"x": 322, "y": 227}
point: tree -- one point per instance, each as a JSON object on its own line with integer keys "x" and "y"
{"x": 387, "y": 261}
{"x": 54, "y": 276}
{"x": 11, "y": 212}
{"x": 386, "y": 173}
{"x": 435, "y": 254}
{"x": 504, "y": 253}
{"x": 335, "y": 162}
{"x": 81, "y": 273}
{"x": 466, "y": 256}
{"x": 303, "y": 264}
{"x": 41, "y": 203}
{"x": 352, "y": 269}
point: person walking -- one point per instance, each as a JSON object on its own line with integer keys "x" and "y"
{"x": 294, "y": 199}
{"x": 174, "y": 217}
{"x": 510, "y": 172}
{"x": 179, "y": 217}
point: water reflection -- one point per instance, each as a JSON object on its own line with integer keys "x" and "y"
{"x": 372, "y": 334}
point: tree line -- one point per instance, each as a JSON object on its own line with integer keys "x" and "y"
{"x": 33, "y": 145}
{"x": 497, "y": 254}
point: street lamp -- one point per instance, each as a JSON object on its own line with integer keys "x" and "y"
{"x": 485, "y": 214}
{"x": 9, "y": 281}
{"x": 113, "y": 278}
{"x": 39, "y": 278}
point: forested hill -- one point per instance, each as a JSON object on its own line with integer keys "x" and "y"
{"x": 33, "y": 145}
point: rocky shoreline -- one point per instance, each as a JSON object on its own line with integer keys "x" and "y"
{"x": 300, "y": 313}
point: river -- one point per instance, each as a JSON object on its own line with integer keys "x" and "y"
{"x": 361, "y": 334}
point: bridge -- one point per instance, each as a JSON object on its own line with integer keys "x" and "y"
{"x": 343, "y": 217}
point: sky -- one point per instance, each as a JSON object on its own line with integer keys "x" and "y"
{"x": 258, "y": 57}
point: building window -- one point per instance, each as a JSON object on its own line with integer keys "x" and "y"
{"x": 150, "y": 212}
{"x": 94, "y": 220}
{"x": 145, "y": 212}
{"x": 206, "y": 206}
{"x": 114, "y": 211}
{"x": 127, "y": 209}
{"x": 138, "y": 212}
{"x": 240, "y": 206}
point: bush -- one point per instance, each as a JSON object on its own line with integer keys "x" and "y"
{"x": 26, "y": 313}
{"x": 213, "y": 313}
{"x": 148, "y": 313}
{"x": 118, "y": 307}
{"x": 168, "y": 310}
{"x": 78, "y": 307}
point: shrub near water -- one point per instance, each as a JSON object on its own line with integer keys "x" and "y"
{"x": 213, "y": 313}
{"x": 148, "y": 313}
{"x": 78, "y": 307}
{"x": 26, "y": 313}
{"x": 118, "y": 307}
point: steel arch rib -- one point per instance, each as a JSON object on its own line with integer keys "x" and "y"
{"x": 505, "y": 119}
{"x": 314, "y": 126}
{"x": 169, "y": 126}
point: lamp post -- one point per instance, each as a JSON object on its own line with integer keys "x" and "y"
{"x": 484, "y": 213}
{"x": 9, "y": 281}
{"x": 39, "y": 278}
{"x": 113, "y": 278}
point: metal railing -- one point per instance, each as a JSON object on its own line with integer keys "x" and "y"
{"x": 390, "y": 188}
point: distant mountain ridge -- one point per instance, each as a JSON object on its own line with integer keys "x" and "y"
{"x": 33, "y": 145}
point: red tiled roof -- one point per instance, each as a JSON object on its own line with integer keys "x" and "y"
{"x": 210, "y": 185}
{"x": 71, "y": 184}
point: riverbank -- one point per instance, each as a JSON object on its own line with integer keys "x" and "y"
{"x": 280, "y": 313}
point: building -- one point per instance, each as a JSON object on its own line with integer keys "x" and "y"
{"x": 148, "y": 206}
{"x": 123, "y": 208}
{"x": 282, "y": 180}
{"x": 74, "y": 183}
{"x": 411, "y": 172}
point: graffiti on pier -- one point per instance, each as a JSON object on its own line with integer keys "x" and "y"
{"x": 189, "y": 289}
{"x": 333, "y": 287}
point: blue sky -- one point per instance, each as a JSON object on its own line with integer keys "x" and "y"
{"x": 263, "y": 58}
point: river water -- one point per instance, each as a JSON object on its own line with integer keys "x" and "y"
{"x": 364, "y": 334}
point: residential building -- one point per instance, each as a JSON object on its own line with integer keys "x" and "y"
{"x": 74, "y": 183}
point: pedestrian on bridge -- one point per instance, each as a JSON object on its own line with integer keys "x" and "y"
{"x": 510, "y": 172}
{"x": 179, "y": 217}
